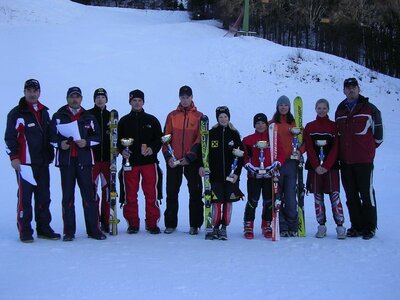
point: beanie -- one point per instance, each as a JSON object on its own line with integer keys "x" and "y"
{"x": 100, "y": 92}
{"x": 185, "y": 91}
{"x": 283, "y": 100}
{"x": 136, "y": 94}
{"x": 32, "y": 83}
{"x": 260, "y": 117}
{"x": 222, "y": 110}
{"x": 350, "y": 82}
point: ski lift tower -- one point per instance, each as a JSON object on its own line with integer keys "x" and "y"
{"x": 245, "y": 27}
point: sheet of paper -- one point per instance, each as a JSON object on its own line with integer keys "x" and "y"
{"x": 69, "y": 129}
{"x": 27, "y": 174}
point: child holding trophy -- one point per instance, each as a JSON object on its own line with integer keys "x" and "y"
{"x": 225, "y": 161}
{"x": 287, "y": 135}
{"x": 321, "y": 140}
{"x": 257, "y": 160}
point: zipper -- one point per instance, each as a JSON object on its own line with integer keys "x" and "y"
{"x": 183, "y": 133}
{"x": 223, "y": 151}
{"x": 102, "y": 135}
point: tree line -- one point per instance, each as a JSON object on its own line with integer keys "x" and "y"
{"x": 364, "y": 31}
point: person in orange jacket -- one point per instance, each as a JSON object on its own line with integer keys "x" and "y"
{"x": 183, "y": 124}
{"x": 284, "y": 120}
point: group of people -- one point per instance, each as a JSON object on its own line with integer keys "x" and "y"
{"x": 347, "y": 144}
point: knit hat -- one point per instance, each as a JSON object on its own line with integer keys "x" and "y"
{"x": 185, "y": 91}
{"x": 136, "y": 94}
{"x": 222, "y": 110}
{"x": 100, "y": 92}
{"x": 74, "y": 90}
{"x": 283, "y": 100}
{"x": 350, "y": 82}
{"x": 32, "y": 83}
{"x": 260, "y": 117}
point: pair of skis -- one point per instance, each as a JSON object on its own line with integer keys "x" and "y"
{"x": 113, "y": 170}
{"x": 204, "y": 135}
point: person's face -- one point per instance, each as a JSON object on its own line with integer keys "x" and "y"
{"x": 283, "y": 109}
{"x": 186, "y": 101}
{"x": 32, "y": 94}
{"x": 223, "y": 120}
{"x": 136, "y": 104}
{"x": 100, "y": 101}
{"x": 74, "y": 101}
{"x": 322, "y": 109}
{"x": 261, "y": 126}
{"x": 352, "y": 92}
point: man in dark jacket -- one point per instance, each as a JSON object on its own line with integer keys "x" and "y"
{"x": 145, "y": 130}
{"x": 101, "y": 169}
{"x": 74, "y": 157}
{"x": 360, "y": 133}
{"x": 27, "y": 140}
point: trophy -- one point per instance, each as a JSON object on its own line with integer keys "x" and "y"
{"x": 166, "y": 139}
{"x": 237, "y": 153}
{"x": 126, "y": 142}
{"x": 295, "y": 131}
{"x": 262, "y": 145}
{"x": 321, "y": 144}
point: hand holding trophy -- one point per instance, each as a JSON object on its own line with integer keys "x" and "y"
{"x": 262, "y": 145}
{"x": 295, "y": 131}
{"x": 126, "y": 142}
{"x": 321, "y": 144}
{"x": 166, "y": 139}
{"x": 237, "y": 153}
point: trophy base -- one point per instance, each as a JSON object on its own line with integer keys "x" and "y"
{"x": 262, "y": 172}
{"x": 229, "y": 178}
{"x": 128, "y": 168}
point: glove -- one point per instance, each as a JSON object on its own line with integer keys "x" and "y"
{"x": 273, "y": 167}
{"x": 252, "y": 169}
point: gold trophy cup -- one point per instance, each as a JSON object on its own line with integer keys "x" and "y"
{"x": 237, "y": 153}
{"x": 126, "y": 142}
{"x": 166, "y": 139}
{"x": 262, "y": 145}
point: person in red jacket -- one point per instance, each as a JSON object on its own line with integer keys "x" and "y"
{"x": 183, "y": 125}
{"x": 258, "y": 182}
{"x": 321, "y": 140}
{"x": 360, "y": 133}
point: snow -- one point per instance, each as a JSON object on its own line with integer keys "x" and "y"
{"x": 62, "y": 43}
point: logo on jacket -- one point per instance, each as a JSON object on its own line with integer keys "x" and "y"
{"x": 214, "y": 144}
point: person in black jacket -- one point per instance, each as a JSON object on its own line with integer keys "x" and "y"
{"x": 224, "y": 139}
{"x": 101, "y": 169}
{"x": 27, "y": 141}
{"x": 145, "y": 130}
{"x": 74, "y": 157}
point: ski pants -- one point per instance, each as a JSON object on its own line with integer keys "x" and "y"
{"x": 254, "y": 189}
{"x": 221, "y": 213}
{"x": 337, "y": 208}
{"x": 131, "y": 179}
{"x": 41, "y": 194}
{"x": 101, "y": 173}
{"x": 174, "y": 181}
{"x": 288, "y": 216}
{"x": 357, "y": 180}
{"x": 71, "y": 174}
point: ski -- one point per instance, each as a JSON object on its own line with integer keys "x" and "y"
{"x": 300, "y": 190}
{"x": 113, "y": 170}
{"x": 276, "y": 201}
{"x": 204, "y": 125}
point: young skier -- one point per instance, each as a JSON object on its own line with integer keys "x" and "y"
{"x": 259, "y": 182}
{"x": 224, "y": 148}
{"x": 284, "y": 120}
{"x": 322, "y": 143}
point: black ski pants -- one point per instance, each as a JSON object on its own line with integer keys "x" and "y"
{"x": 254, "y": 189}
{"x": 83, "y": 175}
{"x": 41, "y": 193}
{"x": 357, "y": 180}
{"x": 174, "y": 181}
